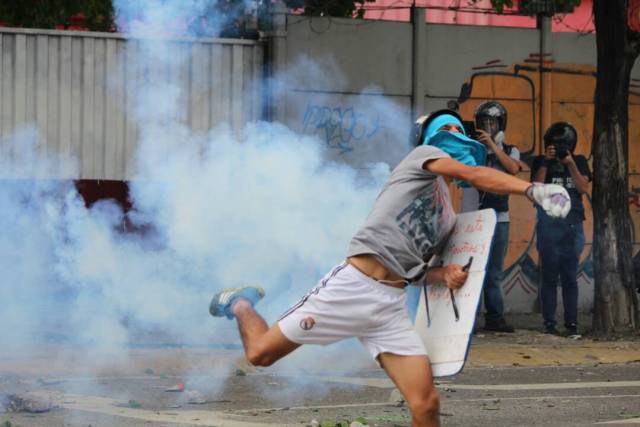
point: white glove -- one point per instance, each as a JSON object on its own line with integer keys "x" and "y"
{"x": 553, "y": 198}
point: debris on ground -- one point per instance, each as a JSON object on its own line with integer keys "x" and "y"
{"x": 134, "y": 404}
{"x": 491, "y": 406}
{"x": 195, "y": 397}
{"x": 149, "y": 371}
{"x": 358, "y": 422}
{"x": 175, "y": 388}
{"x": 32, "y": 402}
{"x": 334, "y": 424}
{"x": 240, "y": 373}
{"x": 48, "y": 382}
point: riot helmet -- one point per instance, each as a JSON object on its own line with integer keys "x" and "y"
{"x": 491, "y": 117}
{"x": 444, "y": 129}
{"x": 422, "y": 123}
{"x": 563, "y": 136}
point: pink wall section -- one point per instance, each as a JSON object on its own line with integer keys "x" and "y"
{"x": 478, "y": 14}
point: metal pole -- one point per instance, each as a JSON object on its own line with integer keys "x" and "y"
{"x": 418, "y": 35}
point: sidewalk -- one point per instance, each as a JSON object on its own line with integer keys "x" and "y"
{"x": 529, "y": 347}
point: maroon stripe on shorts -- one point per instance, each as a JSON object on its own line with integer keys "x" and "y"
{"x": 314, "y": 291}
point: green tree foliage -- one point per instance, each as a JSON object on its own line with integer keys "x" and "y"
{"x": 95, "y": 15}
{"x": 338, "y": 8}
{"x": 499, "y": 5}
{"x": 215, "y": 18}
{"x": 219, "y": 18}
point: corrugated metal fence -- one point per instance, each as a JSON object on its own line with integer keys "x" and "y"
{"x": 77, "y": 88}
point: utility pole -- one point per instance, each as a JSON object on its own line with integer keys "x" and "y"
{"x": 418, "y": 35}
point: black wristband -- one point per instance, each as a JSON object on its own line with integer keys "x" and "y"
{"x": 529, "y": 193}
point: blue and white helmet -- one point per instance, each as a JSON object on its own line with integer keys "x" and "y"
{"x": 426, "y": 127}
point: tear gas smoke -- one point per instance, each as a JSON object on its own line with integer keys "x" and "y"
{"x": 267, "y": 206}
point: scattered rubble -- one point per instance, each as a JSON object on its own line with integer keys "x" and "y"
{"x": 195, "y": 397}
{"x": 31, "y": 402}
{"x": 358, "y": 422}
{"x": 48, "y": 382}
{"x": 134, "y": 404}
{"x": 177, "y": 388}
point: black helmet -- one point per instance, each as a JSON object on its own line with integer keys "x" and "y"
{"x": 561, "y": 134}
{"x": 493, "y": 110}
{"x": 422, "y": 122}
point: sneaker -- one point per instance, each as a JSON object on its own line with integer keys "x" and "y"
{"x": 222, "y": 302}
{"x": 571, "y": 332}
{"x": 499, "y": 325}
{"x": 551, "y": 330}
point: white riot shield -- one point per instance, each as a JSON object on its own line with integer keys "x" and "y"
{"x": 444, "y": 319}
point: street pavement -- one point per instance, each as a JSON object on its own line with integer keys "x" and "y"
{"x": 526, "y": 378}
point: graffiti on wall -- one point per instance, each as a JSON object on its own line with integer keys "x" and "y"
{"x": 340, "y": 127}
{"x": 567, "y": 95}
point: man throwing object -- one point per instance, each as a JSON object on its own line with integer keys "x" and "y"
{"x": 364, "y": 296}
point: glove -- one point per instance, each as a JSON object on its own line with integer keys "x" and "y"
{"x": 552, "y": 198}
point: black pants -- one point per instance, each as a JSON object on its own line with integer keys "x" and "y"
{"x": 559, "y": 246}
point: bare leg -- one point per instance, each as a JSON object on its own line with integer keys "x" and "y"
{"x": 263, "y": 346}
{"x": 412, "y": 375}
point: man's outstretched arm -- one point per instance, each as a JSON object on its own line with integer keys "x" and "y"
{"x": 480, "y": 177}
{"x": 553, "y": 198}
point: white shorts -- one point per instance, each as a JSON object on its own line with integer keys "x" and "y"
{"x": 345, "y": 304}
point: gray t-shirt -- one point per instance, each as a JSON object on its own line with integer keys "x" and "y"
{"x": 411, "y": 218}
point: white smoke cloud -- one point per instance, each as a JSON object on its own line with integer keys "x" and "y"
{"x": 214, "y": 209}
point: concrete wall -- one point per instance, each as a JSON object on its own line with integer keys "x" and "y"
{"x": 78, "y": 89}
{"x": 451, "y": 52}
{"x": 356, "y": 85}
{"x": 351, "y": 85}
{"x": 501, "y": 63}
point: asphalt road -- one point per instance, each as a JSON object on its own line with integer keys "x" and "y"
{"x": 221, "y": 390}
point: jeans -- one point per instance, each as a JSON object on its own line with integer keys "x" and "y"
{"x": 559, "y": 246}
{"x": 492, "y": 287}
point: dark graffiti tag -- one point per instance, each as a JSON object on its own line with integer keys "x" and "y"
{"x": 339, "y": 127}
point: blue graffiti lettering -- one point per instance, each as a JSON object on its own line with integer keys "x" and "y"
{"x": 339, "y": 127}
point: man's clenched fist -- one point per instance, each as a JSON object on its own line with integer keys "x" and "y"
{"x": 553, "y": 198}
